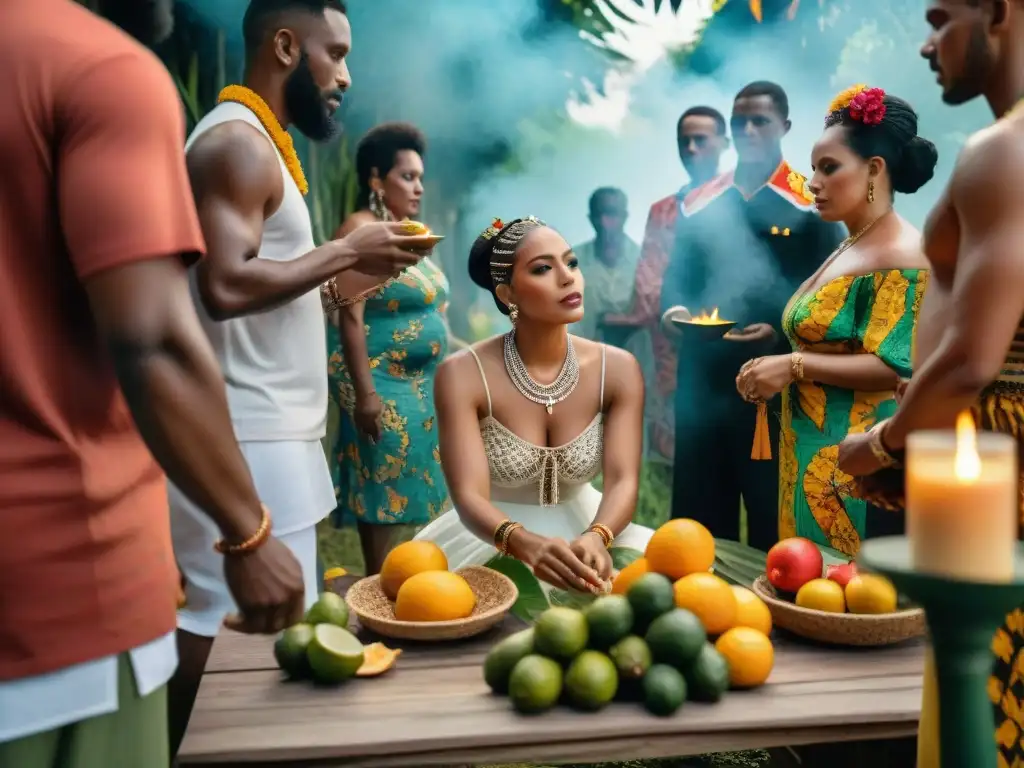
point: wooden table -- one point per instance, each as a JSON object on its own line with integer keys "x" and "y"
{"x": 434, "y": 709}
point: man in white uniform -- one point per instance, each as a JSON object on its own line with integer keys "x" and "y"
{"x": 259, "y": 294}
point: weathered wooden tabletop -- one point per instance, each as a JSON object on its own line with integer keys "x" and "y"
{"x": 433, "y": 708}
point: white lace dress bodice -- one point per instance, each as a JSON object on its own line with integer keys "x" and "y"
{"x": 547, "y": 489}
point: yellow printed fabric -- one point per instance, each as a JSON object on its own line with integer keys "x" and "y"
{"x": 398, "y": 479}
{"x": 850, "y": 315}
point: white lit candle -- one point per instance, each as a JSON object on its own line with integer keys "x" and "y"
{"x": 962, "y": 502}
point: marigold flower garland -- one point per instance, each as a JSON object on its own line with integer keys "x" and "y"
{"x": 281, "y": 138}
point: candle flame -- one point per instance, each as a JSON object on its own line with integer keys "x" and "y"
{"x": 966, "y": 461}
{"x": 705, "y": 319}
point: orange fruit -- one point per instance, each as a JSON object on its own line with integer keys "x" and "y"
{"x": 625, "y": 578}
{"x": 709, "y": 598}
{"x": 407, "y": 560}
{"x": 750, "y": 655}
{"x": 377, "y": 659}
{"x": 822, "y": 595}
{"x": 679, "y": 548}
{"x": 751, "y": 611}
{"x": 434, "y": 596}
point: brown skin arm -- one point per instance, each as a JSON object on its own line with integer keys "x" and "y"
{"x": 174, "y": 387}
{"x": 460, "y": 401}
{"x": 865, "y": 373}
{"x": 237, "y": 183}
{"x": 351, "y": 323}
{"x": 623, "y": 439}
{"x": 987, "y": 302}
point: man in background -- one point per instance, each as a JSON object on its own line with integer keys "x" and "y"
{"x": 608, "y": 263}
{"x": 745, "y": 241}
{"x": 701, "y": 139}
{"x": 106, "y": 379}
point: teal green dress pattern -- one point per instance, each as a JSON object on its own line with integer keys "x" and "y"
{"x": 864, "y": 314}
{"x": 398, "y": 480}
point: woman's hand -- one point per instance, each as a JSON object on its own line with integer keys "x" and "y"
{"x": 590, "y": 549}
{"x": 764, "y": 377}
{"x": 754, "y": 332}
{"x": 553, "y": 561}
{"x": 367, "y": 415}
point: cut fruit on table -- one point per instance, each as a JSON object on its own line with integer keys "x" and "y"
{"x": 334, "y": 654}
{"x": 377, "y": 659}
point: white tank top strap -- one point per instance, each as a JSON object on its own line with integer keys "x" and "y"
{"x": 483, "y": 377}
{"x": 601, "y": 403}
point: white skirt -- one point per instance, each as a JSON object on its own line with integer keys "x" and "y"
{"x": 565, "y": 520}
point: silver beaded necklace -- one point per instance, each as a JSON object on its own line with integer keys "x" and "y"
{"x": 547, "y": 395}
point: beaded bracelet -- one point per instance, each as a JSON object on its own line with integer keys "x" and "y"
{"x": 604, "y": 532}
{"x": 252, "y": 543}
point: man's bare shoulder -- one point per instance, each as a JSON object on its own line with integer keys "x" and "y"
{"x": 231, "y": 155}
{"x": 991, "y": 163}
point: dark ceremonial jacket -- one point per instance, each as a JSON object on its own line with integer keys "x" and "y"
{"x": 746, "y": 255}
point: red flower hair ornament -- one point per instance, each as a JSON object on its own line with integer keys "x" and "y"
{"x": 868, "y": 106}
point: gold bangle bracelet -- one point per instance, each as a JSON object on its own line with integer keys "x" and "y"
{"x": 796, "y": 366}
{"x": 604, "y": 532}
{"x": 878, "y": 449}
{"x": 499, "y": 532}
{"x": 506, "y": 536}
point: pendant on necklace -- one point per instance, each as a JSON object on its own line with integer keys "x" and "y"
{"x": 550, "y": 405}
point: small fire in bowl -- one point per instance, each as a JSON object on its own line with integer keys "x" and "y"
{"x": 708, "y": 325}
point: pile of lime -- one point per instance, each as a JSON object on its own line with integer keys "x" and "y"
{"x": 320, "y": 648}
{"x": 637, "y": 646}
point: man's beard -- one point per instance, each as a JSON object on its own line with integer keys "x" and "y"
{"x": 148, "y": 21}
{"x": 307, "y": 106}
{"x": 977, "y": 65}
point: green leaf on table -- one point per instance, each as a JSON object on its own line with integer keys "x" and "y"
{"x": 532, "y": 601}
{"x": 738, "y": 563}
{"x": 571, "y": 599}
{"x": 623, "y": 556}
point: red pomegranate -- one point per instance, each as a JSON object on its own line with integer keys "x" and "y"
{"x": 792, "y": 563}
{"x": 841, "y": 574}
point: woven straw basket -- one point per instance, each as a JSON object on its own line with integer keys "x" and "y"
{"x": 495, "y": 595}
{"x": 841, "y": 628}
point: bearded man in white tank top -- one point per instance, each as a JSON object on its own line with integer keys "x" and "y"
{"x": 260, "y": 294}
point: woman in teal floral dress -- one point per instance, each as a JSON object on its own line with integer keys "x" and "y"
{"x": 383, "y": 352}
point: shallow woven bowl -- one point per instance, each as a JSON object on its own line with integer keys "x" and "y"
{"x": 495, "y": 595}
{"x": 841, "y": 628}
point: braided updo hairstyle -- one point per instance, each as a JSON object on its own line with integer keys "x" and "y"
{"x": 493, "y": 253}
{"x": 880, "y": 125}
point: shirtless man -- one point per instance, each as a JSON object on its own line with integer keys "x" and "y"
{"x": 968, "y": 350}
{"x": 259, "y": 294}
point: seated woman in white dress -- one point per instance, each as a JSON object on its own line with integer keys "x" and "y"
{"x": 519, "y": 455}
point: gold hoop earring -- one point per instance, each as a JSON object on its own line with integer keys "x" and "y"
{"x": 377, "y": 207}
{"x": 513, "y": 314}
{"x": 871, "y": 191}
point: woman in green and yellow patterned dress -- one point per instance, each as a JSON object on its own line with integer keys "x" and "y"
{"x": 852, "y": 323}
{"x": 383, "y": 352}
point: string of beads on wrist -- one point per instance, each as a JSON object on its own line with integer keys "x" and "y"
{"x": 252, "y": 543}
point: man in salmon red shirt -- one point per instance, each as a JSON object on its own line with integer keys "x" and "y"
{"x": 99, "y": 342}
{"x": 701, "y": 138}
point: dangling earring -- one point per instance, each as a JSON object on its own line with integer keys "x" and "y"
{"x": 377, "y": 207}
{"x": 513, "y": 314}
{"x": 871, "y": 191}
